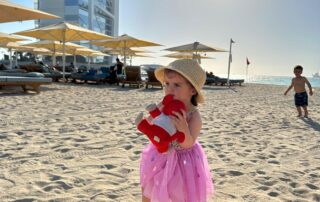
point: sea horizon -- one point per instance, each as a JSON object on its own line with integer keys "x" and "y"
{"x": 267, "y": 79}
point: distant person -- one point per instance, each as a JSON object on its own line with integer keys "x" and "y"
{"x": 3, "y": 67}
{"x": 72, "y": 67}
{"x": 301, "y": 96}
{"x": 119, "y": 66}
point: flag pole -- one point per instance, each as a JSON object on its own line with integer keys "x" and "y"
{"x": 230, "y": 58}
{"x": 248, "y": 63}
{"x": 247, "y": 72}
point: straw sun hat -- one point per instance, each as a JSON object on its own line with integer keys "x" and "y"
{"x": 189, "y": 69}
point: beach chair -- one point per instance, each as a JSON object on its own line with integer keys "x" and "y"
{"x": 152, "y": 80}
{"x": 236, "y": 81}
{"x": 33, "y": 82}
{"x": 132, "y": 76}
{"x": 49, "y": 72}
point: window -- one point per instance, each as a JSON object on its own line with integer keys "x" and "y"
{"x": 84, "y": 4}
{"x": 107, "y": 5}
{"x": 84, "y": 18}
{"x": 71, "y": 2}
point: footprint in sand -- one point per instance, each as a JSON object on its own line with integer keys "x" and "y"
{"x": 311, "y": 186}
{"x": 265, "y": 181}
{"x": 264, "y": 188}
{"x": 109, "y": 166}
{"x": 293, "y": 184}
{"x": 128, "y": 147}
{"x": 301, "y": 192}
{"x": 234, "y": 173}
{"x": 273, "y": 162}
{"x": 273, "y": 194}
{"x": 284, "y": 179}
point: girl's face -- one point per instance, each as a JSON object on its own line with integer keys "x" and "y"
{"x": 178, "y": 86}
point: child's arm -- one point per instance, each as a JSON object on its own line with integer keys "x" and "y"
{"x": 309, "y": 86}
{"x": 290, "y": 87}
{"x": 191, "y": 130}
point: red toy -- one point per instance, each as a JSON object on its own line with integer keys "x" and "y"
{"x": 161, "y": 131}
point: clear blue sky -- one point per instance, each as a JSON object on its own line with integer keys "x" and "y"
{"x": 274, "y": 34}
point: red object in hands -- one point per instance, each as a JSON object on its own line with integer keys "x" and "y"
{"x": 162, "y": 131}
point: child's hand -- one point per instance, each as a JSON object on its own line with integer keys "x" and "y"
{"x": 180, "y": 121}
{"x": 160, "y": 106}
{"x": 285, "y": 93}
{"x": 151, "y": 107}
{"x": 311, "y": 92}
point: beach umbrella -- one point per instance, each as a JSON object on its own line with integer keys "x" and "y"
{"x": 85, "y": 52}
{"x": 94, "y": 54}
{"x": 80, "y": 51}
{"x": 5, "y": 38}
{"x": 124, "y": 42}
{"x": 139, "y": 55}
{"x": 186, "y": 55}
{"x": 12, "y": 46}
{"x": 5, "y": 41}
{"x": 64, "y": 32}
{"x": 195, "y": 47}
{"x": 119, "y": 51}
{"x": 54, "y": 46}
{"x": 11, "y": 12}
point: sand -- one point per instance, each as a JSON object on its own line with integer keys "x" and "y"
{"x": 78, "y": 143}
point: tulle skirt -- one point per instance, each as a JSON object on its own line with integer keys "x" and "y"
{"x": 177, "y": 175}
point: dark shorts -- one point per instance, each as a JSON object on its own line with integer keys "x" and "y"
{"x": 301, "y": 99}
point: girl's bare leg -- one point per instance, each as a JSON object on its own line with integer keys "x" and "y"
{"x": 144, "y": 199}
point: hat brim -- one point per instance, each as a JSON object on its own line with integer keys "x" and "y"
{"x": 159, "y": 73}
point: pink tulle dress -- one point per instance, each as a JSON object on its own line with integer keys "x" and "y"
{"x": 179, "y": 175}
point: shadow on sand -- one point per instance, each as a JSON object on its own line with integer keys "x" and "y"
{"x": 220, "y": 88}
{"x": 312, "y": 124}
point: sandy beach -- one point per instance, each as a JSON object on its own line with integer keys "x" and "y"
{"x": 79, "y": 143}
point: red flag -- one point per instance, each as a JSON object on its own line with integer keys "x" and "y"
{"x": 248, "y": 62}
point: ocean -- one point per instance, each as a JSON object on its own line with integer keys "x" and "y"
{"x": 275, "y": 80}
{"x": 259, "y": 79}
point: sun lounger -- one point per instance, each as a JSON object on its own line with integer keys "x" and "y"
{"x": 152, "y": 80}
{"x": 236, "y": 81}
{"x": 223, "y": 81}
{"x": 33, "y": 82}
{"x": 47, "y": 71}
{"x": 132, "y": 76}
{"x": 92, "y": 75}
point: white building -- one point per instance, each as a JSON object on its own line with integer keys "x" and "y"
{"x": 98, "y": 15}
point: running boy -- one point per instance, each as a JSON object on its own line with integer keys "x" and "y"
{"x": 301, "y": 96}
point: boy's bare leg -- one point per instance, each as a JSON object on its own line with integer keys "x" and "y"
{"x": 305, "y": 111}
{"x": 299, "y": 111}
{"x": 144, "y": 199}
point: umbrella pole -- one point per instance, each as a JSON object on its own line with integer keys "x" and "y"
{"x": 74, "y": 60}
{"x": 16, "y": 54}
{"x": 228, "y": 80}
{"x": 247, "y": 73}
{"x": 10, "y": 57}
{"x": 53, "y": 60}
{"x": 124, "y": 53}
{"x": 53, "y": 57}
{"x": 64, "y": 56}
